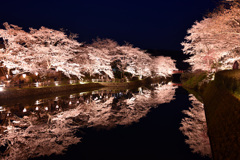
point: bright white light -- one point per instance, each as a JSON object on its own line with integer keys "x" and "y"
{"x": 169, "y": 83}
{"x": 2, "y": 109}
{"x": 56, "y": 83}
{"x": 140, "y": 89}
{"x": 77, "y": 101}
{"x": 37, "y": 102}
{"x": 57, "y": 106}
{"x": 82, "y": 82}
{"x": 213, "y": 77}
{"x": 46, "y": 108}
{"x": 37, "y": 108}
{"x": 70, "y": 103}
{"x": 1, "y": 89}
{"x": 7, "y": 76}
{"x": 24, "y": 110}
{"x": 15, "y": 71}
{"x": 36, "y": 73}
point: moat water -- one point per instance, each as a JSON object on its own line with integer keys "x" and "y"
{"x": 161, "y": 121}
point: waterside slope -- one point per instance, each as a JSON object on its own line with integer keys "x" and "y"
{"x": 222, "y": 111}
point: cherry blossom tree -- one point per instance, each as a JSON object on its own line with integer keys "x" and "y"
{"x": 17, "y": 53}
{"x": 214, "y": 39}
{"x": 47, "y": 50}
{"x": 39, "y": 51}
{"x": 135, "y": 61}
{"x": 163, "y": 66}
{"x": 54, "y": 49}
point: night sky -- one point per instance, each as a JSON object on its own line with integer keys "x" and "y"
{"x": 146, "y": 24}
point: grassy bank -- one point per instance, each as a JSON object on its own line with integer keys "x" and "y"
{"x": 231, "y": 80}
{"x": 192, "y": 80}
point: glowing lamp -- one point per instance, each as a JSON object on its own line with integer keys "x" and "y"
{"x": 37, "y": 108}
{"x": 1, "y": 89}
{"x": 37, "y": 102}
{"x": 46, "y": 108}
{"x": 36, "y": 73}
{"x": 24, "y": 110}
{"x": 24, "y": 75}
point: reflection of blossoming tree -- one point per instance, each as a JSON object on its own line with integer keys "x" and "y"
{"x": 121, "y": 111}
{"x": 51, "y": 133}
{"x": 195, "y": 128}
{"x": 25, "y": 140}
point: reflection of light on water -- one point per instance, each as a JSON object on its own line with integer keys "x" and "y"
{"x": 42, "y": 128}
{"x": 140, "y": 89}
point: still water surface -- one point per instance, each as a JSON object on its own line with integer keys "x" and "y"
{"x": 157, "y": 122}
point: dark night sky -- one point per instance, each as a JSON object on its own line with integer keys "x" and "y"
{"x": 146, "y": 24}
